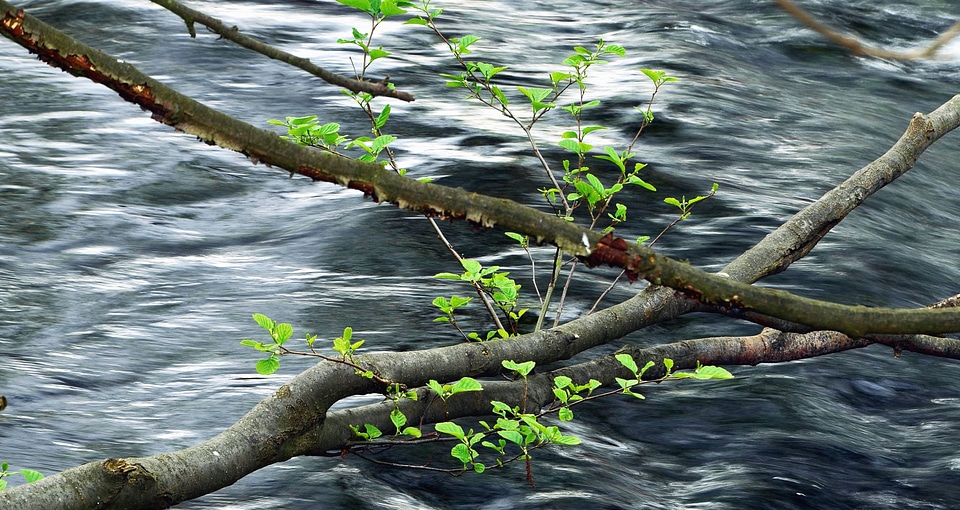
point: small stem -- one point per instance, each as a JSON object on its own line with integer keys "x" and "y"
{"x": 553, "y": 281}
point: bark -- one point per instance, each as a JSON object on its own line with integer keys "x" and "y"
{"x": 294, "y": 420}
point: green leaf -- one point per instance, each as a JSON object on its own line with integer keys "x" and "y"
{"x": 590, "y": 129}
{"x": 566, "y": 440}
{"x": 263, "y": 321}
{"x": 536, "y": 95}
{"x": 372, "y": 431}
{"x": 500, "y": 95}
{"x": 565, "y": 414}
{"x": 299, "y": 121}
{"x": 390, "y": 8}
{"x": 571, "y": 144}
{"x": 633, "y": 179}
{"x": 668, "y": 363}
{"x": 363, "y": 5}
{"x": 398, "y": 418}
{"x": 648, "y": 366}
{"x": 382, "y": 118}
{"x": 412, "y": 432}
{"x": 626, "y": 383}
{"x": 380, "y": 142}
{"x": 435, "y": 386}
{"x": 511, "y": 435}
{"x": 268, "y": 366}
{"x": 462, "y": 453}
{"x": 561, "y": 395}
{"x": 255, "y": 344}
{"x": 500, "y": 407}
{"x": 457, "y": 301}
{"x": 448, "y": 427}
{"x": 465, "y": 384}
{"x": 283, "y": 333}
{"x": 562, "y": 381}
{"x": 557, "y": 76}
{"x": 521, "y": 368}
{"x": 673, "y": 201}
{"x": 595, "y": 183}
{"x": 615, "y": 49}
{"x": 627, "y": 361}
{"x": 471, "y": 266}
{"x": 478, "y": 467}
{"x": 416, "y": 21}
{"x": 706, "y": 372}
{"x": 488, "y": 70}
{"x": 447, "y": 276}
{"x": 714, "y": 372}
{"x": 30, "y": 475}
{"x": 378, "y": 53}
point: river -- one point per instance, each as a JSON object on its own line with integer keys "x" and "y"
{"x": 132, "y": 256}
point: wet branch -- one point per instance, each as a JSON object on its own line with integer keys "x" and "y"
{"x": 183, "y": 113}
{"x": 294, "y": 420}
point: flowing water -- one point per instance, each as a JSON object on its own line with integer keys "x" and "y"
{"x": 132, "y": 256}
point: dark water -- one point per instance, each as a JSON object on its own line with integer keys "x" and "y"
{"x": 132, "y": 256}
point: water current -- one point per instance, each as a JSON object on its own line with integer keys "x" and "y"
{"x": 132, "y": 256}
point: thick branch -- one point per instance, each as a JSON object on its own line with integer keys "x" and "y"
{"x": 191, "y": 16}
{"x": 769, "y": 346}
{"x": 291, "y": 422}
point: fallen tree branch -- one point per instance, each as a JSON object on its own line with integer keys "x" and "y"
{"x": 191, "y": 16}
{"x": 859, "y": 47}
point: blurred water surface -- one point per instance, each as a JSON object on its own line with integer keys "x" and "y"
{"x": 132, "y": 256}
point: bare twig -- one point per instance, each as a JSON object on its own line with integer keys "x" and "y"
{"x": 191, "y": 16}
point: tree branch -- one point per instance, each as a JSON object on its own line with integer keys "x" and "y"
{"x": 294, "y": 420}
{"x": 191, "y": 16}
{"x": 183, "y": 113}
{"x": 859, "y": 47}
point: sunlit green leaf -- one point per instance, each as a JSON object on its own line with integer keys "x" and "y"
{"x": 283, "y": 332}
{"x": 511, "y": 435}
{"x": 462, "y": 453}
{"x": 471, "y": 266}
{"x": 263, "y": 321}
{"x": 268, "y": 366}
{"x": 363, "y": 5}
{"x": 448, "y": 427}
{"x": 30, "y": 475}
{"x": 466, "y": 384}
{"x": 566, "y": 440}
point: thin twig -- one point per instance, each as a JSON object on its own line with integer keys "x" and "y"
{"x": 191, "y": 16}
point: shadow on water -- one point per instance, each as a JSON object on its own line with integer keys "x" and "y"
{"x": 133, "y": 256}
